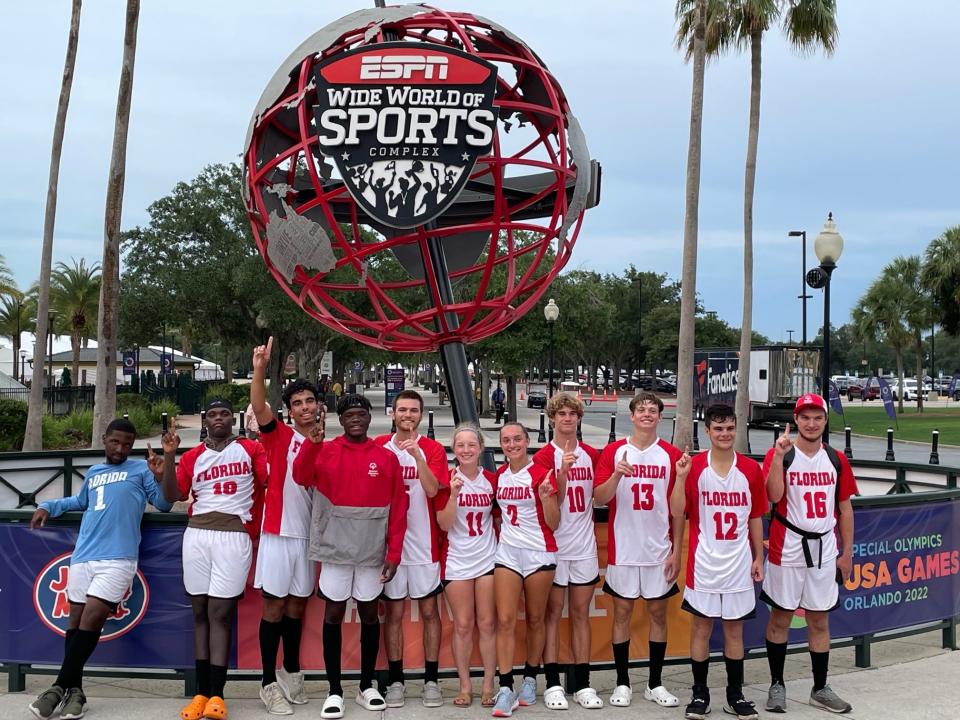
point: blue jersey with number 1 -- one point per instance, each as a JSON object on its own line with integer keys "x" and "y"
{"x": 112, "y": 498}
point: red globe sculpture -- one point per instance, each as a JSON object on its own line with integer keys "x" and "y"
{"x": 499, "y": 190}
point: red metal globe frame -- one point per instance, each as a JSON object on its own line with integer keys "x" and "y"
{"x": 548, "y": 239}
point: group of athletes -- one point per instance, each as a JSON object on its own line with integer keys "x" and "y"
{"x": 387, "y": 520}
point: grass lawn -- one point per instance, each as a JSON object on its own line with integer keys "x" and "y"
{"x": 870, "y": 419}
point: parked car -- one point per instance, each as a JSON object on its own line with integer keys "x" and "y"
{"x": 910, "y": 390}
{"x": 537, "y": 399}
{"x": 862, "y": 391}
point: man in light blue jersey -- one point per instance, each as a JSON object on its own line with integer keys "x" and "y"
{"x": 112, "y": 498}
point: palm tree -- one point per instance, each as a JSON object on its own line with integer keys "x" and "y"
{"x": 105, "y": 396}
{"x": 884, "y": 314}
{"x": 688, "y": 275}
{"x": 8, "y": 285}
{"x": 941, "y": 276}
{"x": 918, "y": 310}
{"x": 74, "y": 294}
{"x": 16, "y": 316}
{"x": 735, "y": 25}
{"x": 32, "y": 437}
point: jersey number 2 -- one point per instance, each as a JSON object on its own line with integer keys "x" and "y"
{"x": 512, "y": 514}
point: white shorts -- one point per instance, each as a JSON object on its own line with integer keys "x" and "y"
{"x": 725, "y": 605}
{"x": 790, "y": 588}
{"x": 478, "y": 569}
{"x": 216, "y": 562}
{"x": 632, "y": 582}
{"x": 585, "y": 571}
{"x": 106, "y": 580}
{"x": 522, "y": 561}
{"x": 414, "y": 581}
{"x": 339, "y": 583}
{"x": 283, "y": 567}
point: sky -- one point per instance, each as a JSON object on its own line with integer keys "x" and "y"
{"x": 868, "y": 134}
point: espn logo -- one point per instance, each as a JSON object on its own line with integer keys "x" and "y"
{"x": 402, "y": 67}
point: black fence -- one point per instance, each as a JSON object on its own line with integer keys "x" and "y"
{"x": 56, "y": 400}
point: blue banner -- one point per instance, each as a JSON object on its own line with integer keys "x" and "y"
{"x": 835, "y": 398}
{"x": 887, "y": 398}
{"x": 129, "y": 362}
{"x": 152, "y": 628}
{"x": 166, "y": 363}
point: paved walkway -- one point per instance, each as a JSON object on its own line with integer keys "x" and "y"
{"x": 913, "y": 679}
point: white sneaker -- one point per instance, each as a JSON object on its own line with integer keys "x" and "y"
{"x": 621, "y": 696}
{"x": 661, "y": 696}
{"x": 588, "y": 699}
{"x": 370, "y": 699}
{"x": 332, "y": 708}
{"x": 554, "y": 698}
{"x": 274, "y": 700}
{"x": 292, "y": 686}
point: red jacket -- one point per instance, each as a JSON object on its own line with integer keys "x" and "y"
{"x": 360, "y": 493}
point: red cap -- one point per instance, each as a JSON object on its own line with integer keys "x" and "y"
{"x": 810, "y": 400}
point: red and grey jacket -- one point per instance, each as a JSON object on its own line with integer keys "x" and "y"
{"x": 360, "y": 503}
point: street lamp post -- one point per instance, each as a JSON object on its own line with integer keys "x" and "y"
{"x": 828, "y": 246}
{"x": 23, "y": 360}
{"x": 790, "y": 333}
{"x": 803, "y": 283}
{"x": 551, "y": 312}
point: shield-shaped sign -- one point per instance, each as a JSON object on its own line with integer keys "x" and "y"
{"x": 404, "y": 123}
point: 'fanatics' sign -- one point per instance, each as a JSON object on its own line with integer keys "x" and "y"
{"x": 405, "y": 123}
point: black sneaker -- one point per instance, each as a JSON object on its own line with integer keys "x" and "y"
{"x": 699, "y": 706}
{"x": 47, "y": 702}
{"x": 742, "y": 708}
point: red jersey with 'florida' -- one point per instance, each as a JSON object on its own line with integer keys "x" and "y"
{"x": 639, "y": 523}
{"x": 810, "y": 495}
{"x": 720, "y": 510}
{"x": 421, "y": 543}
{"x": 286, "y": 505}
{"x": 228, "y": 481}
{"x": 575, "y": 535}
{"x": 523, "y": 525}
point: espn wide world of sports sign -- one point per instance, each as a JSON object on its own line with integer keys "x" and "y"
{"x": 396, "y": 134}
{"x": 906, "y": 572}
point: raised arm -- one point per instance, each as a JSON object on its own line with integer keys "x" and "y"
{"x": 447, "y": 515}
{"x": 258, "y": 386}
{"x": 774, "y": 474}
{"x": 549, "y": 501}
{"x": 174, "y": 478}
{"x": 604, "y": 492}
{"x": 305, "y": 464}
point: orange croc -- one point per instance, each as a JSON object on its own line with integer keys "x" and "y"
{"x": 216, "y": 709}
{"x": 194, "y": 711}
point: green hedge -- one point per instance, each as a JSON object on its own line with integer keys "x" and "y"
{"x": 76, "y": 429}
{"x": 238, "y": 395}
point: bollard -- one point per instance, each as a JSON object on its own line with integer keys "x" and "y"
{"x": 673, "y": 432}
{"x": 126, "y": 416}
{"x": 934, "y": 442}
{"x": 542, "y": 436}
{"x": 430, "y": 431}
{"x": 847, "y": 450}
{"x": 279, "y": 417}
{"x": 613, "y": 428}
{"x": 164, "y": 422}
{"x": 203, "y": 425}
{"x": 696, "y": 437}
{"x": 890, "y": 455}
{"x": 289, "y": 419}
{"x": 579, "y": 431}
{"x": 550, "y": 433}
{"x": 393, "y": 426}
{"x": 243, "y": 431}
{"x": 506, "y": 418}
{"x": 776, "y": 432}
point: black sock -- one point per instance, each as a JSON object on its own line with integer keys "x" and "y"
{"x": 395, "y": 672}
{"x": 82, "y": 645}
{"x": 64, "y": 676}
{"x": 621, "y": 658}
{"x": 530, "y": 671}
{"x": 658, "y": 651}
{"x": 581, "y": 676}
{"x": 431, "y": 670}
{"x": 820, "y": 661}
{"x": 270, "y": 633}
{"x": 218, "y": 678}
{"x": 700, "y": 668}
{"x": 369, "y": 647}
{"x": 332, "y": 648}
{"x": 506, "y": 679}
{"x": 292, "y": 630}
{"x": 734, "y": 677}
{"x": 203, "y": 677}
{"x": 552, "y": 672}
{"x": 776, "y": 658}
